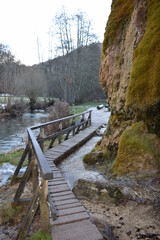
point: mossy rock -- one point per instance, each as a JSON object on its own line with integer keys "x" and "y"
{"x": 97, "y": 191}
{"x": 138, "y": 151}
{"x": 144, "y": 87}
{"x": 121, "y": 11}
{"x": 92, "y": 158}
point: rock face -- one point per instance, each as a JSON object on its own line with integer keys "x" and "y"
{"x": 130, "y": 77}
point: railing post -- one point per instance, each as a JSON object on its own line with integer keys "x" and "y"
{"x": 34, "y": 171}
{"x": 60, "y": 129}
{"x": 44, "y": 208}
{"x": 73, "y": 123}
{"x": 30, "y": 150}
{"x": 82, "y": 119}
{"x": 41, "y": 136}
{"x": 89, "y": 118}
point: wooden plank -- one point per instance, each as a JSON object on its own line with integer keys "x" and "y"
{"x": 59, "y": 189}
{"x": 69, "y": 205}
{"x": 57, "y": 183}
{"x": 61, "y": 193}
{"x": 70, "y": 218}
{"x": 64, "y": 197}
{"x": 57, "y": 175}
{"x": 69, "y": 201}
{"x": 68, "y": 211}
{"x": 56, "y": 180}
{"x": 83, "y": 230}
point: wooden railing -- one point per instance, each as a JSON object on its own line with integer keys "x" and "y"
{"x": 54, "y": 132}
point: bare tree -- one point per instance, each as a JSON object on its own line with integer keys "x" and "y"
{"x": 73, "y": 34}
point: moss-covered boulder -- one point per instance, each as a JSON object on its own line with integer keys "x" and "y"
{"x": 138, "y": 152}
{"x": 130, "y": 77}
{"x": 144, "y": 86}
{"x": 92, "y": 158}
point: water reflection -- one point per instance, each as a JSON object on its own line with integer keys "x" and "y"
{"x": 13, "y": 131}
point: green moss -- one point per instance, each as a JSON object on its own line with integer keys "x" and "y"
{"x": 41, "y": 236}
{"x": 92, "y": 158}
{"x": 144, "y": 87}
{"x": 12, "y": 157}
{"x": 138, "y": 151}
{"x": 121, "y": 11}
{"x": 9, "y": 214}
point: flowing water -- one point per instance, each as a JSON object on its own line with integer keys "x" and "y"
{"x": 73, "y": 168}
{"x": 13, "y": 131}
{"x": 13, "y": 135}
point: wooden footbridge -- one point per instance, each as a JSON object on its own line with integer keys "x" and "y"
{"x": 60, "y": 211}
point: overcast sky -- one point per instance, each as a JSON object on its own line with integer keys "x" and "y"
{"x": 22, "y": 21}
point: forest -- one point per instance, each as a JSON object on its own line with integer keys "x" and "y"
{"x": 72, "y": 75}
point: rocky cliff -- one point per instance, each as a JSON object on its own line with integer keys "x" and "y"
{"x": 130, "y": 77}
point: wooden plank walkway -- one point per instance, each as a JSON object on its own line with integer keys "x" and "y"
{"x": 73, "y": 221}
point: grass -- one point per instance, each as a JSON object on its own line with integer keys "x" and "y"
{"x": 12, "y": 157}
{"x": 9, "y": 214}
{"x": 41, "y": 236}
{"x": 85, "y": 106}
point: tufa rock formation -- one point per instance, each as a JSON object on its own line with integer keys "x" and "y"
{"x": 130, "y": 77}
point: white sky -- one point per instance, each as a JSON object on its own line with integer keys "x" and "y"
{"x": 22, "y": 21}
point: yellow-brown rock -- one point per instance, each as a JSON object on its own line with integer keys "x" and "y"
{"x": 130, "y": 77}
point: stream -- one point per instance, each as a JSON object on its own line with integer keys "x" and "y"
{"x": 13, "y": 131}
{"x": 13, "y": 135}
{"x": 73, "y": 168}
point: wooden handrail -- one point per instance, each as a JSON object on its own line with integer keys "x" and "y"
{"x": 59, "y": 120}
{"x": 36, "y": 158}
{"x": 62, "y": 131}
{"x": 47, "y": 174}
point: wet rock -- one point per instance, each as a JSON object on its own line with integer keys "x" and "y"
{"x": 92, "y": 158}
{"x": 97, "y": 191}
{"x": 6, "y": 230}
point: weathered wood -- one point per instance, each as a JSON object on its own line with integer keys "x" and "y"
{"x": 59, "y": 188}
{"x": 20, "y": 162}
{"x": 82, "y": 230}
{"x": 34, "y": 172}
{"x": 27, "y": 221}
{"x": 42, "y": 163}
{"x": 69, "y": 205}
{"x": 57, "y": 134}
{"x": 52, "y": 142}
{"x": 70, "y": 218}
{"x": 52, "y": 208}
{"x": 64, "y": 197}
{"x": 60, "y": 130}
{"x": 21, "y": 202}
{"x": 73, "y": 126}
{"x": 23, "y": 183}
{"x": 65, "y": 209}
{"x": 67, "y": 135}
{"x": 60, "y": 119}
{"x": 57, "y": 203}
{"x": 69, "y": 211}
{"x": 41, "y": 136}
{"x": 44, "y": 210}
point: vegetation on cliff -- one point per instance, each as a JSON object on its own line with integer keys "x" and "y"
{"x": 138, "y": 151}
{"x": 144, "y": 87}
{"x": 120, "y": 14}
